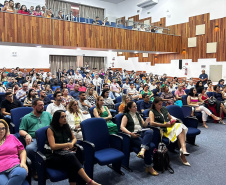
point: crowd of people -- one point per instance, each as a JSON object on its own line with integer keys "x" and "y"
{"x": 68, "y": 95}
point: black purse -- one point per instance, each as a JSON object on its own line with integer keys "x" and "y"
{"x": 212, "y": 100}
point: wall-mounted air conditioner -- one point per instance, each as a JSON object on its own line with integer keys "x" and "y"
{"x": 147, "y": 3}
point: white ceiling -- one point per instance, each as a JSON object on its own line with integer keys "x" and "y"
{"x": 113, "y": 1}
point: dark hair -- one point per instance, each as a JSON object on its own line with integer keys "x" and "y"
{"x": 6, "y": 126}
{"x": 35, "y": 101}
{"x": 156, "y": 100}
{"x": 103, "y": 92}
{"x": 129, "y": 105}
{"x": 145, "y": 85}
{"x": 191, "y": 92}
{"x": 56, "y": 93}
{"x": 197, "y": 84}
{"x": 215, "y": 87}
{"x": 29, "y": 94}
{"x": 55, "y": 121}
{"x": 81, "y": 92}
{"x": 221, "y": 80}
{"x": 8, "y": 93}
{"x": 201, "y": 89}
{"x": 37, "y": 8}
{"x": 144, "y": 95}
{"x": 16, "y": 5}
{"x": 105, "y": 84}
{"x": 131, "y": 83}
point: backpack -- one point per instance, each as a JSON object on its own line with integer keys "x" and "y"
{"x": 161, "y": 159}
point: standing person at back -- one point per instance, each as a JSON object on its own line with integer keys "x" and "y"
{"x": 57, "y": 105}
{"x": 203, "y": 77}
{"x": 30, "y": 123}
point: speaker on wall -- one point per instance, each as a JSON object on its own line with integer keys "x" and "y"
{"x": 180, "y": 64}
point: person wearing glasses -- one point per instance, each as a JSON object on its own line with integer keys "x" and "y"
{"x": 13, "y": 168}
{"x": 146, "y": 104}
{"x": 30, "y": 123}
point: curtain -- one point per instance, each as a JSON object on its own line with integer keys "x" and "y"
{"x": 62, "y": 62}
{"x": 94, "y": 62}
{"x": 91, "y": 12}
{"x": 58, "y": 5}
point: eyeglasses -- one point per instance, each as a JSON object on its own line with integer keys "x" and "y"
{"x": 2, "y": 129}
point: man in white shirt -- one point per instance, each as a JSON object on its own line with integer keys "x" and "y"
{"x": 190, "y": 84}
{"x": 126, "y": 85}
{"x": 97, "y": 81}
{"x": 78, "y": 76}
{"x": 84, "y": 105}
{"x": 57, "y": 105}
{"x": 152, "y": 86}
{"x": 22, "y": 93}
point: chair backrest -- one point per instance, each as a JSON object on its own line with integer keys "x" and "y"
{"x": 124, "y": 91}
{"x": 209, "y": 94}
{"x": 100, "y": 22}
{"x": 146, "y": 112}
{"x": 54, "y": 87}
{"x": 118, "y": 119}
{"x": 129, "y": 27}
{"x": 82, "y": 19}
{"x": 2, "y": 97}
{"x": 41, "y": 138}
{"x": 173, "y": 92}
{"x": 138, "y": 105}
{"x": 155, "y": 92}
{"x": 187, "y": 91}
{"x": 117, "y": 107}
{"x": 50, "y": 96}
{"x": 107, "y": 23}
{"x": 17, "y": 114}
{"x": 91, "y": 111}
{"x": 184, "y": 99}
{"x": 121, "y": 26}
{"x": 118, "y": 99}
{"x": 95, "y": 130}
{"x": 175, "y": 111}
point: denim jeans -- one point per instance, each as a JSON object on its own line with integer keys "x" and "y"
{"x": 17, "y": 176}
{"x": 31, "y": 150}
{"x": 144, "y": 141}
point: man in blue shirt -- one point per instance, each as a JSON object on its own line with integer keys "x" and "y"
{"x": 72, "y": 70}
{"x": 146, "y": 104}
{"x": 75, "y": 93}
{"x": 203, "y": 77}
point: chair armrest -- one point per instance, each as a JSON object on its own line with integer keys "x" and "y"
{"x": 12, "y": 128}
{"x": 28, "y": 161}
{"x": 191, "y": 122}
{"x": 28, "y": 178}
{"x": 116, "y": 141}
{"x": 80, "y": 153}
{"x": 186, "y": 109}
{"x": 41, "y": 167}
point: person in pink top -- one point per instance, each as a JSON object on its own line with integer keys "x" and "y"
{"x": 115, "y": 88}
{"x": 37, "y": 11}
{"x": 13, "y": 156}
{"x": 81, "y": 87}
{"x": 71, "y": 84}
{"x": 180, "y": 92}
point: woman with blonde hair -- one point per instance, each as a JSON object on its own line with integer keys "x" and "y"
{"x": 103, "y": 112}
{"x": 74, "y": 118}
{"x": 125, "y": 100}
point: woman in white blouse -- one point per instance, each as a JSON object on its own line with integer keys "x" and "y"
{"x": 74, "y": 118}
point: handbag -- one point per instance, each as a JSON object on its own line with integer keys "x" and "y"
{"x": 212, "y": 100}
{"x": 65, "y": 152}
{"x": 161, "y": 158}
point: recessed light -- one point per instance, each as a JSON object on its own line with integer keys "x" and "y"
{"x": 157, "y": 53}
{"x": 135, "y": 51}
{"x": 109, "y": 50}
{"x": 38, "y": 46}
{"x": 78, "y": 49}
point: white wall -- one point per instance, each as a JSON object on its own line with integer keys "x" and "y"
{"x": 179, "y": 10}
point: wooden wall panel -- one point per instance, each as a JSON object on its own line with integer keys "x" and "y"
{"x": 42, "y": 31}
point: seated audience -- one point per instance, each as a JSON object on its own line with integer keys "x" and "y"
{"x": 81, "y": 87}
{"x": 30, "y": 123}
{"x": 75, "y": 92}
{"x": 30, "y": 97}
{"x": 199, "y": 86}
{"x": 179, "y": 92}
{"x": 13, "y": 168}
{"x": 115, "y": 88}
{"x": 9, "y": 103}
{"x": 17, "y": 7}
{"x": 132, "y": 92}
{"x": 210, "y": 87}
{"x": 147, "y": 91}
{"x": 48, "y": 89}
{"x": 37, "y": 11}
{"x": 126, "y": 85}
{"x": 221, "y": 83}
{"x": 60, "y": 138}
{"x": 71, "y": 84}
{"x": 9, "y": 8}
{"x": 167, "y": 96}
{"x": 125, "y": 100}
{"x": 160, "y": 117}
{"x": 78, "y": 76}
{"x": 90, "y": 96}
{"x": 217, "y": 93}
{"x": 23, "y": 10}
{"x": 44, "y": 98}
{"x": 146, "y": 104}
{"x": 190, "y": 85}
{"x": 217, "y": 108}
{"x": 57, "y": 105}
{"x": 66, "y": 97}
{"x": 197, "y": 106}
{"x": 132, "y": 124}
{"x": 152, "y": 86}
{"x": 102, "y": 111}
{"x": 74, "y": 118}
{"x": 84, "y": 105}
{"x": 108, "y": 102}
{"x": 60, "y": 15}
